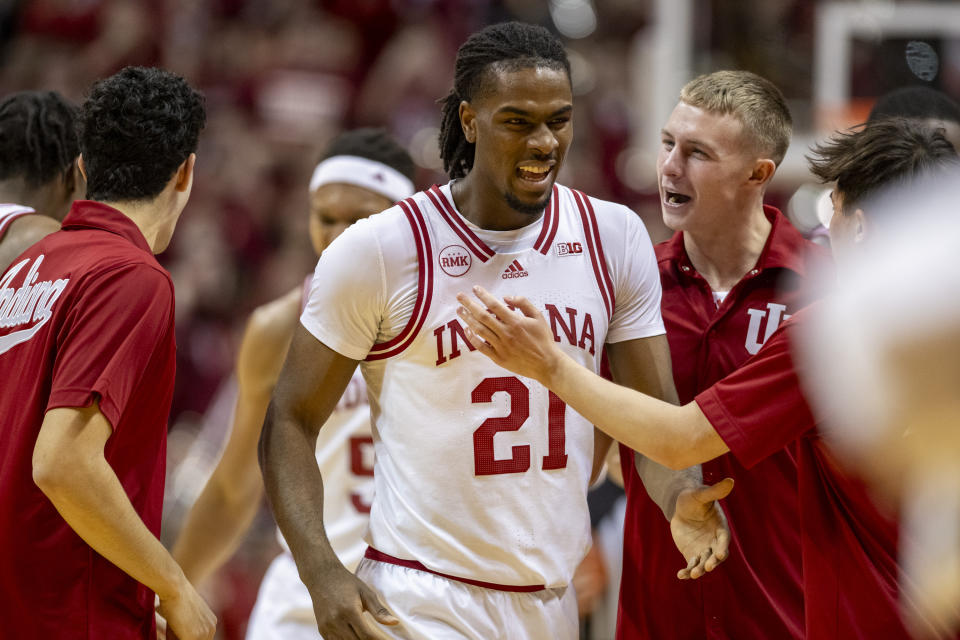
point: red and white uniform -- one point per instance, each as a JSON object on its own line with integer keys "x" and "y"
{"x": 85, "y": 314}
{"x": 9, "y": 213}
{"x": 707, "y": 342}
{"x": 849, "y": 546}
{"x": 481, "y": 475}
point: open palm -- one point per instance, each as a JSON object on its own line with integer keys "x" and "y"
{"x": 700, "y": 530}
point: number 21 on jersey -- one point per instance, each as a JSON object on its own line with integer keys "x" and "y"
{"x": 484, "y": 460}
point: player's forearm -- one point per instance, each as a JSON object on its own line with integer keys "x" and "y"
{"x": 670, "y": 435}
{"x": 295, "y": 490}
{"x": 663, "y": 484}
{"x": 215, "y": 525}
{"x": 88, "y": 495}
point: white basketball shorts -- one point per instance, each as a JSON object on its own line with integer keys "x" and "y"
{"x": 432, "y": 607}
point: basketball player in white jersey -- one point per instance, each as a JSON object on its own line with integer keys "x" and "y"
{"x": 480, "y": 515}
{"x": 38, "y": 168}
{"x": 362, "y": 172}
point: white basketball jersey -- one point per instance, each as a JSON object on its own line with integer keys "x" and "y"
{"x": 9, "y": 213}
{"x": 481, "y": 474}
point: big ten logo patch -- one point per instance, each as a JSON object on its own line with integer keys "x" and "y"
{"x": 569, "y": 249}
{"x": 455, "y": 260}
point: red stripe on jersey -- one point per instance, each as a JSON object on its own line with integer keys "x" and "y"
{"x": 424, "y": 286}
{"x": 7, "y": 219}
{"x": 551, "y": 224}
{"x": 450, "y": 215}
{"x": 600, "y": 255}
{"x": 593, "y": 246}
{"x": 380, "y": 556}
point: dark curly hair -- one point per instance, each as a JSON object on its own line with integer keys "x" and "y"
{"x": 509, "y": 46}
{"x": 136, "y": 128}
{"x": 38, "y": 136}
{"x": 879, "y": 155}
{"x": 373, "y": 144}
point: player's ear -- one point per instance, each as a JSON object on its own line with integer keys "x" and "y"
{"x": 860, "y": 225}
{"x": 184, "y": 176}
{"x": 763, "y": 170}
{"x": 468, "y": 121}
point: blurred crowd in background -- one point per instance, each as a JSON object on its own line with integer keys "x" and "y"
{"x": 282, "y": 77}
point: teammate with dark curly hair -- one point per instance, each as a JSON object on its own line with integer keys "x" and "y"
{"x": 38, "y": 169}
{"x": 137, "y": 128}
{"x": 479, "y": 517}
{"x": 87, "y": 358}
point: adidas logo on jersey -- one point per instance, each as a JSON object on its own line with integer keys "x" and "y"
{"x": 515, "y": 270}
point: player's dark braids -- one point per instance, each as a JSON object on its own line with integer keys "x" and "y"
{"x": 136, "y": 128}
{"x": 373, "y": 144}
{"x": 38, "y": 137}
{"x": 511, "y": 46}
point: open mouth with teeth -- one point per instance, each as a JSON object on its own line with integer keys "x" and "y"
{"x": 676, "y": 198}
{"x": 533, "y": 173}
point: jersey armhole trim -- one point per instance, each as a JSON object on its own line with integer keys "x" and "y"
{"x": 6, "y": 219}
{"x": 424, "y": 286}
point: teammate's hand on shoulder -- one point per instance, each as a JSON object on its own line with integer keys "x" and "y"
{"x": 187, "y": 615}
{"x": 348, "y": 608}
{"x": 700, "y": 529}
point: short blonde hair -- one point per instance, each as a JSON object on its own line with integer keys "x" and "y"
{"x": 756, "y": 102}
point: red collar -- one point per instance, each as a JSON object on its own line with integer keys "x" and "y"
{"x": 90, "y": 214}
{"x": 785, "y": 247}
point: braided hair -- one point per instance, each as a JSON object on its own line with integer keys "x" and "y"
{"x": 509, "y": 46}
{"x": 373, "y": 144}
{"x": 38, "y": 137}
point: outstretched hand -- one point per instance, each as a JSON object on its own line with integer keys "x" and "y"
{"x": 521, "y": 342}
{"x": 700, "y": 530}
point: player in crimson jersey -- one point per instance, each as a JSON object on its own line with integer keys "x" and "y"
{"x": 362, "y": 172}
{"x": 733, "y": 271}
{"x": 38, "y": 168}
{"x": 87, "y": 360}
{"x": 480, "y": 517}
{"x": 848, "y": 544}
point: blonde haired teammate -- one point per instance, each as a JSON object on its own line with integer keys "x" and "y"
{"x": 732, "y": 272}
{"x": 364, "y": 171}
